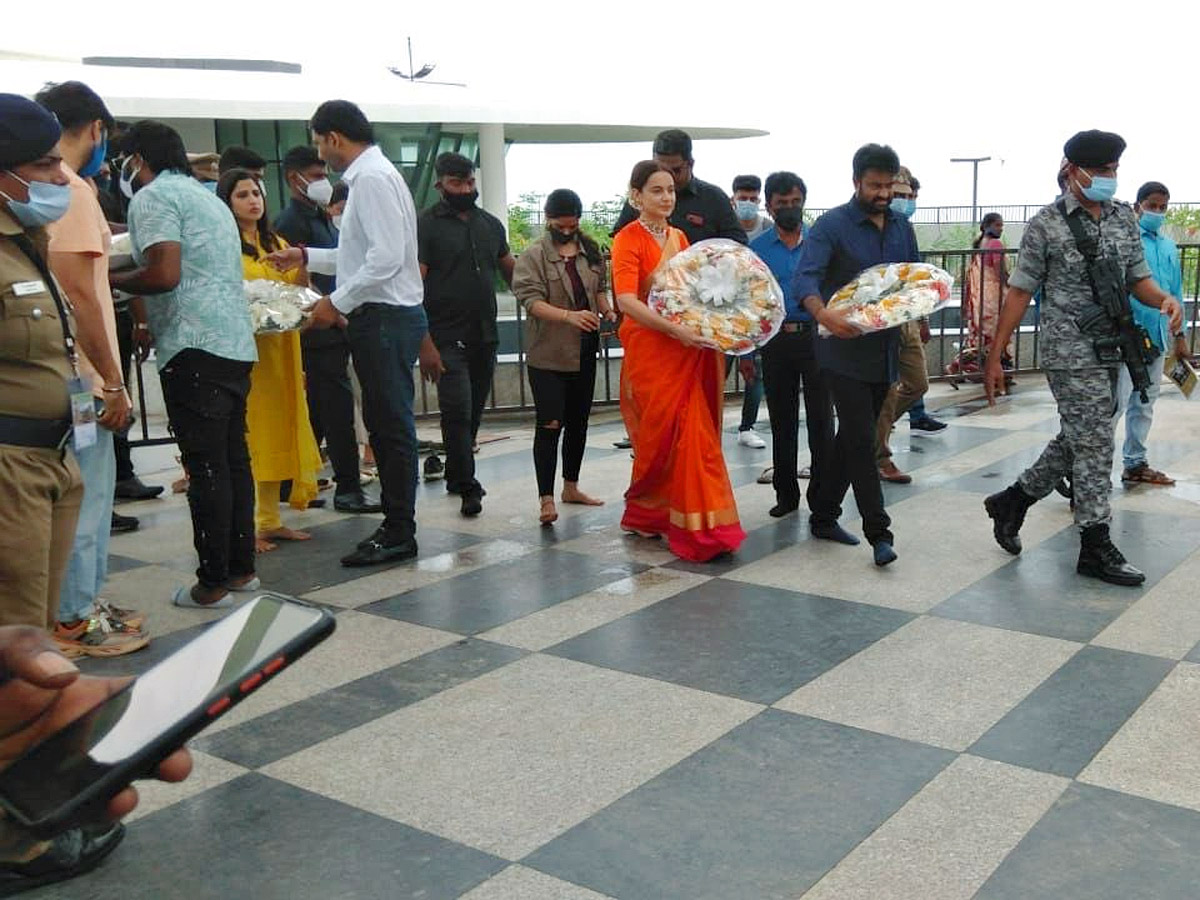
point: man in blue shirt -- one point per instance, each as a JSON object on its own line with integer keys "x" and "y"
{"x": 857, "y": 368}
{"x": 1162, "y": 255}
{"x": 789, "y": 359}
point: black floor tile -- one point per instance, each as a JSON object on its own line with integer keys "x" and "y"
{"x": 298, "y": 568}
{"x": 760, "y": 542}
{"x": 743, "y": 640}
{"x": 118, "y": 563}
{"x": 1039, "y": 591}
{"x": 255, "y": 837}
{"x": 1063, "y": 723}
{"x": 1096, "y": 844}
{"x": 761, "y": 813}
{"x": 491, "y": 596}
{"x": 281, "y": 733}
{"x": 160, "y": 647}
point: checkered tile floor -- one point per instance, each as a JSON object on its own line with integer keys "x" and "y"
{"x": 570, "y": 713}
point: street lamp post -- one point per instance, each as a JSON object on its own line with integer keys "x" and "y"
{"x": 974, "y": 161}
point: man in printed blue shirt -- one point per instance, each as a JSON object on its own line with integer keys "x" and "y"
{"x": 1162, "y": 255}
{"x": 857, "y": 368}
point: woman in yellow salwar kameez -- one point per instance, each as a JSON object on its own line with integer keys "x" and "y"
{"x": 279, "y": 434}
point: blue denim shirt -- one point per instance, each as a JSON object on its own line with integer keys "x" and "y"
{"x": 843, "y": 243}
{"x": 1162, "y": 255}
{"x": 782, "y": 262}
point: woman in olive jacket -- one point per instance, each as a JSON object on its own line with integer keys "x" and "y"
{"x": 560, "y": 282}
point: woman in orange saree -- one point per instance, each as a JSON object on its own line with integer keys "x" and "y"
{"x": 672, "y": 384}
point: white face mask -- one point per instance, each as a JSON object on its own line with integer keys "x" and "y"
{"x": 319, "y": 192}
{"x": 127, "y": 177}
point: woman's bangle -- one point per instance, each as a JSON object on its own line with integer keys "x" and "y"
{"x": 304, "y": 253}
{"x": 141, "y": 326}
{"x": 114, "y": 390}
{"x": 566, "y": 315}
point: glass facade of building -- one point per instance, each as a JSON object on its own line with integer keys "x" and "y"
{"x": 412, "y": 148}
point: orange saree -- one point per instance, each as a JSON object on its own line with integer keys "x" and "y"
{"x": 671, "y": 399}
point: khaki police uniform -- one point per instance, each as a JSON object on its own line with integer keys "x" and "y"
{"x": 40, "y": 486}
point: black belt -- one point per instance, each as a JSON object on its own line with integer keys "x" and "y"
{"x": 51, "y": 434}
{"x": 797, "y": 327}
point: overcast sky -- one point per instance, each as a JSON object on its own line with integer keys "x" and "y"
{"x": 1011, "y": 80}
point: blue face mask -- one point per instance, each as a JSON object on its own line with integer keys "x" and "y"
{"x": 1102, "y": 189}
{"x": 746, "y": 210}
{"x": 1152, "y": 221}
{"x": 47, "y": 202}
{"x": 904, "y": 206}
{"x": 96, "y": 161}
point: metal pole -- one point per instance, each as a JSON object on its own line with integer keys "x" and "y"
{"x": 974, "y": 161}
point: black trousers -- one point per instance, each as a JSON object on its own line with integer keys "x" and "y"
{"x": 462, "y": 394}
{"x": 384, "y": 341}
{"x": 789, "y": 361}
{"x": 563, "y": 402}
{"x": 205, "y": 396}
{"x": 331, "y": 410}
{"x": 858, "y": 404}
{"x": 125, "y": 352}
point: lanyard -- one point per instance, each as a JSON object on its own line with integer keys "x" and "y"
{"x": 26, "y": 246}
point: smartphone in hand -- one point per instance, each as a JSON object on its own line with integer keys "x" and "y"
{"x": 58, "y": 782}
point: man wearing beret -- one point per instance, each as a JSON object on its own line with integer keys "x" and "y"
{"x": 1084, "y": 385}
{"x": 40, "y": 485}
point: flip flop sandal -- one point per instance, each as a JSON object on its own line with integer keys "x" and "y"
{"x": 1146, "y": 475}
{"x": 183, "y": 597}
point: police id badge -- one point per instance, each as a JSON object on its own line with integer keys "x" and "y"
{"x": 83, "y": 415}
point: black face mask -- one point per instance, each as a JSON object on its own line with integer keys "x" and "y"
{"x": 461, "y": 202}
{"x": 790, "y": 218}
{"x": 561, "y": 237}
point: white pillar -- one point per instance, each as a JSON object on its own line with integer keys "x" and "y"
{"x": 492, "y": 178}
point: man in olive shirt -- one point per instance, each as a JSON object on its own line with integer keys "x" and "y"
{"x": 40, "y": 488}
{"x": 702, "y": 210}
{"x": 460, "y": 248}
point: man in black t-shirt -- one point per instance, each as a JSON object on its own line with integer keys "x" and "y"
{"x": 460, "y": 248}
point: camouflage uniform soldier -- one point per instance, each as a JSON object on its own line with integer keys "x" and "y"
{"x": 1083, "y": 386}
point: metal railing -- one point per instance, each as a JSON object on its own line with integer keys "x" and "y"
{"x": 950, "y": 334}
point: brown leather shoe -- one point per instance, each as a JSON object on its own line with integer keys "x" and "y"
{"x": 889, "y": 472}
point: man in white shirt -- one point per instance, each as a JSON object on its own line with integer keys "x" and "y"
{"x": 379, "y": 294}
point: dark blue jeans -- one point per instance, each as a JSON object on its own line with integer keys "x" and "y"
{"x": 384, "y": 342}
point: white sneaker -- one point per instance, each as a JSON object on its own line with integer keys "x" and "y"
{"x": 751, "y": 439}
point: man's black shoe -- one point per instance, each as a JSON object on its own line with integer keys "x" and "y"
{"x": 379, "y": 536}
{"x": 72, "y": 853}
{"x": 133, "y": 489}
{"x": 884, "y": 554}
{"x": 1007, "y": 511}
{"x": 927, "y": 423}
{"x": 123, "y": 524}
{"x": 834, "y": 532}
{"x": 374, "y": 553}
{"x": 623, "y": 444}
{"x": 1099, "y": 558}
{"x": 781, "y": 509}
{"x": 355, "y": 502}
{"x": 434, "y": 468}
{"x": 472, "y": 504}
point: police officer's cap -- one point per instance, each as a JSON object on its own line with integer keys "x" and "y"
{"x": 28, "y": 131}
{"x": 1094, "y": 149}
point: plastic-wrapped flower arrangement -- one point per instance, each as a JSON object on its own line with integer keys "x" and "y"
{"x": 276, "y": 306}
{"x": 891, "y": 294}
{"x": 721, "y": 290}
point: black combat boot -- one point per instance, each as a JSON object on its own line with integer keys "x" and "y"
{"x": 1007, "y": 510}
{"x": 1098, "y": 558}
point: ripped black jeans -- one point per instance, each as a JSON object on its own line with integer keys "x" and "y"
{"x": 205, "y": 396}
{"x": 563, "y": 401}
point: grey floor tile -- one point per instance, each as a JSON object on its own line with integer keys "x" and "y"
{"x": 494, "y": 595}
{"x": 1096, "y": 844}
{"x": 1000, "y": 474}
{"x": 117, "y": 563}
{"x": 759, "y": 543}
{"x": 761, "y": 813}
{"x": 743, "y": 640}
{"x": 1040, "y": 592}
{"x": 302, "y": 568}
{"x": 268, "y": 840}
{"x": 1065, "y": 721}
{"x": 1194, "y": 655}
{"x": 300, "y": 725}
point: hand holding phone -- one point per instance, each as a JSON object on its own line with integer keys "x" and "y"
{"x": 74, "y": 744}
{"x": 42, "y": 691}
